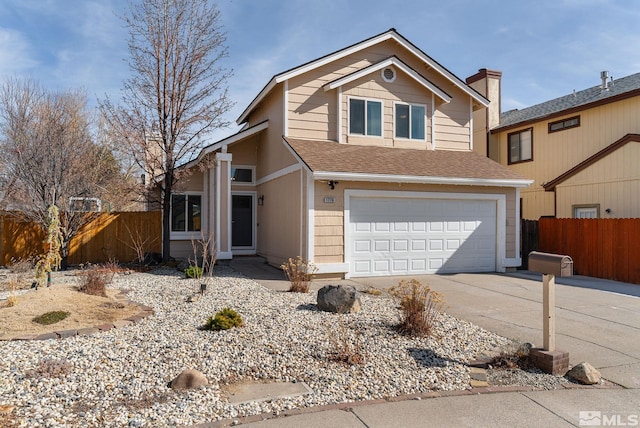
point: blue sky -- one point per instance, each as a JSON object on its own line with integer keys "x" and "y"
{"x": 545, "y": 48}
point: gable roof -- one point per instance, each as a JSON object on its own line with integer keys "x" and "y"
{"x": 625, "y": 87}
{"x": 329, "y": 160}
{"x": 238, "y": 136}
{"x": 390, "y": 34}
{"x": 395, "y": 61}
{"x": 551, "y": 185}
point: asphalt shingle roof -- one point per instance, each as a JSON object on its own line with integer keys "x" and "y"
{"x": 577, "y": 99}
{"x": 330, "y": 156}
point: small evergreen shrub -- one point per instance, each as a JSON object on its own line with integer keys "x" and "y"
{"x": 193, "y": 272}
{"x": 51, "y": 317}
{"x": 224, "y": 320}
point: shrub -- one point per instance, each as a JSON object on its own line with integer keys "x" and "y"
{"x": 347, "y": 347}
{"x": 193, "y": 272}
{"x": 21, "y": 265}
{"x": 420, "y": 307}
{"x": 50, "y": 368}
{"x": 224, "y": 320}
{"x": 299, "y": 273}
{"x": 96, "y": 280}
{"x": 51, "y": 317}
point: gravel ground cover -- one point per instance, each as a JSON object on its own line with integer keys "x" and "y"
{"x": 119, "y": 377}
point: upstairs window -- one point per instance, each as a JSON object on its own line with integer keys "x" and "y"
{"x": 186, "y": 212}
{"x": 365, "y": 117}
{"x": 559, "y": 125}
{"x": 521, "y": 146}
{"x": 410, "y": 120}
{"x": 242, "y": 174}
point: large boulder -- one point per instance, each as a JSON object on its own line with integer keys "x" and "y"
{"x": 189, "y": 379}
{"x": 340, "y": 299}
{"x": 584, "y": 373}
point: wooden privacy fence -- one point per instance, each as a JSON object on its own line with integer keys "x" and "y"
{"x": 109, "y": 236}
{"x": 602, "y": 248}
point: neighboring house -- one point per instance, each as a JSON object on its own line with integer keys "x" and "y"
{"x": 580, "y": 149}
{"x": 360, "y": 161}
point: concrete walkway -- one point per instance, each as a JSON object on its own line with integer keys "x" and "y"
{"x": 597, "y": 321}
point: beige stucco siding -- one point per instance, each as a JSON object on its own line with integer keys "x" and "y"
{"x": 330, "y": 222}
{"x": 279, "y": 219}
{"x": 613, "y": 182}
{"x": 557, "y": 152}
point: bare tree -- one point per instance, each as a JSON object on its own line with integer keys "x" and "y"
{"x": 177, "y": 93}
{"x": 48, "y": 155}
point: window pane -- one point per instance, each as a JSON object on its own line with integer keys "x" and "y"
{"x": 178, "y": 213}
{"x": 242, "y": 175}
{"x": 356, "y": 117}
{"x": 402, "y": 121}
{"x": 514, "y": 148}
{"x": 374, "y": 118}
{"x": 525, "y": 145}
{"x": 193, "y": 206}
{"x": 417, "y": 122}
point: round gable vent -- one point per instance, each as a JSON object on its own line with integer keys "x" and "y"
{"x": 388, "y": 74}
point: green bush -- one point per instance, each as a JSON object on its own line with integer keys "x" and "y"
{"x": 193, "y": 272}
{"x": 51, "y": 317}
{"x": 224, "y": 320}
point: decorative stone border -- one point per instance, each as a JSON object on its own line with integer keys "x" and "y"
{"x": 145, "y": 311}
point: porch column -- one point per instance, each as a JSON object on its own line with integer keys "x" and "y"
{"x": 223, "y": 205}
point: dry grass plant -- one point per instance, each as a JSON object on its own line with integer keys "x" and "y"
{"x": 96, "y": 279}
{"x": 49, "y": 367}
{"x": 139, "y": 244}
{"x": 12, "y": 300}
{"x": 204, "y": 254}
{"x": 346, "y": 346}
{"x": 21, "y": 266}
{"x": 299, "y": 273}
{"x": 420, "y": 307}
{"x": 514, "y": 356}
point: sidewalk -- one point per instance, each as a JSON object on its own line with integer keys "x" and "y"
{"x": 597, "y": 321}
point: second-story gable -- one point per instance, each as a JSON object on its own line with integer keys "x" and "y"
{"x": 383, "y": 92}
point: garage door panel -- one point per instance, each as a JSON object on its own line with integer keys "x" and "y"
{"x": 407, "y": 236}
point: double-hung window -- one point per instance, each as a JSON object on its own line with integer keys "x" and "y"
{"x": 410, "y": 121}
{"x": 186, "y": 212}
{"x": 521, "y": 146}
{"x": 365, "y": 117}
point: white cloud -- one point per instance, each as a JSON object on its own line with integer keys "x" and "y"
{"x": 15, "y": 53}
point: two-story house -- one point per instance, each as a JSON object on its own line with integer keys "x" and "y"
{"x": 361, "y": 161}
{"x": 580, "y": 149}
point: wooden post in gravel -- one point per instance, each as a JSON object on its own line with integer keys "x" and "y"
{"x": 549, "y": 312}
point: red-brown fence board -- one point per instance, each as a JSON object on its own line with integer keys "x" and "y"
{"x": 602, "y": 248}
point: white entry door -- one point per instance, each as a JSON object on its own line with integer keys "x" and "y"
{"x": 397, "y": 236}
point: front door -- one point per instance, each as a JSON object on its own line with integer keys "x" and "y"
{"x": 242, "y": 221}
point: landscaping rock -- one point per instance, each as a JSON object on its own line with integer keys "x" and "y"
{"x": 189, "y": 379}
{"x": 584, "y": 373}
{"x": 340, "y": 299}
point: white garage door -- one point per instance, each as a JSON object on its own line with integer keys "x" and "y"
{"x": 393, "y": 236}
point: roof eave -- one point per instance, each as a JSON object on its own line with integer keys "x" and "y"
{"x": 389, "y": 178}
{"x": 390, "y": 34}
{"x": 241, "y": 135}
{"x": 393, "y": 60}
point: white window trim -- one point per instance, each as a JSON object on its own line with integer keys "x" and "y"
{"x": 186, "y": 235}
{"x": 426, "y": 110}
{"x": 381, "y": 136}
{"x": 243, "y": 183}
